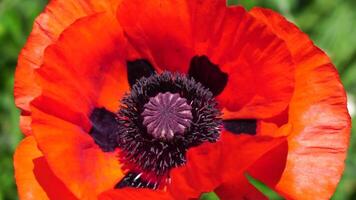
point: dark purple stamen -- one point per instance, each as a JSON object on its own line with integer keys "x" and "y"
{"x": 167, "y": 114}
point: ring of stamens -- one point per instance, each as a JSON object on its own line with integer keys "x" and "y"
{"x": 160, "y": 119}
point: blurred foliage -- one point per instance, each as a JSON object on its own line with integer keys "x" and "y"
{"x": 209, "y": 196}
{"x": 270, "y": 194}
{"x": 330, "y": 23}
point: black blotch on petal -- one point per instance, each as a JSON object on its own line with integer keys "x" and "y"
{"x": 134, "y": 180}
{"x": 238, "y": 126}
{"x": 137, "y": 69}
{"x": 104, "y": 130}
{"x": 207, "y": 73}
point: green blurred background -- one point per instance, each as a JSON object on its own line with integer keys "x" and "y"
{"x": 330, "y": 23}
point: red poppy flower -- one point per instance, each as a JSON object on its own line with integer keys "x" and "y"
{"x": 169, "y": 99}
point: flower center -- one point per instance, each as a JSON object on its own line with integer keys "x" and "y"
{"x": 159, "y": 120}
{"x": 167, "y": 114}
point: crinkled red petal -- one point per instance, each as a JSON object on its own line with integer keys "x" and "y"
{"x": 318, "y": 116}
{"x": 211, "y": 165}
{"x": 240, "y": 188}
{"x": 57, "y": 16}
{"x": 160, "y": 32}
{"x": 34, "y": 178}
{"x": 74, "y": 157}
{"x": 259, "y": 64}
{"x": 134, "y": 194}
{"x": 78, "y": 74}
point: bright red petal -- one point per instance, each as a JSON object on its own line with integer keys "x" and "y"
{"x": 318, "y": 115}
{"x": 259, "y": 65}
{"x": 134, "y": 194}
{"x": 268, "y": 168}
{"x": 211, "y": 165}
{"x": 74, "y": 157}
{"x": 57, "y": 16}
{"x": 240, "y": 188}
{"x": 34, "y": 178}
{"x": 79, "y": 73}
{"x": 202, "y": 173}
{"x": 160, "y": 31}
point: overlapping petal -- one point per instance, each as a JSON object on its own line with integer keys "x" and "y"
{"x": 57, "y": 16}
{"x": 259, "y": 65}
{"x": 74, "y": 157}
{"x": 260, "y": 68}
{"x": 134, "y": 194}
{"x": 160, "y": 32}
{"x": 78, "y": 74}
{"x": 222, "y": 164}
{"x": 268, "y": 168}
{"x": 318, "y": 117}
{"x": 34, "y": 178}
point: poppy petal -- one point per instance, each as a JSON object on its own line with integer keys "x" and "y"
{"x": 25, "y": 123}
{"x": 74, "y": 80}
{"x": 34, "y": 178}
{"x": 268, "y": 168}
{"x": 239, "y": 188}
{"x": 74, "y": 157}
{"x": 165, "y": 43}
{"x": 259, "y": 65}
{"x": 318, "y": 115}
{"x": 27, "y": 185}
{"x": 212, "y": 164}
{"x": 65, "y": 95}
{"x": 89, "y": 77}
{"x": 57, "y": 16}
{"x": 54, "y": 187}
{"x": 134, "y": 194}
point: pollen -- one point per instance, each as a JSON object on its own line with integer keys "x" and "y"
{"x": 166, "y": 115}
